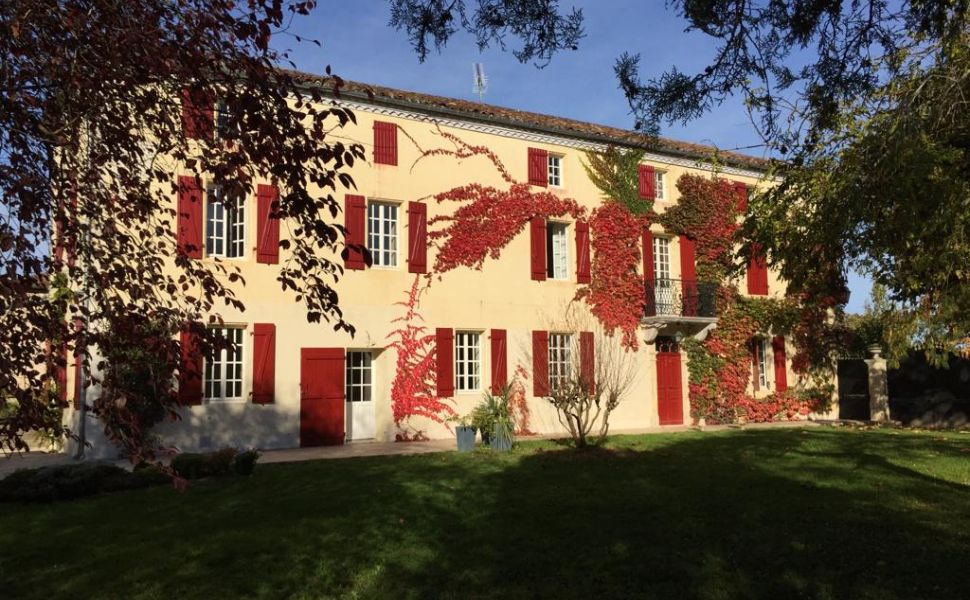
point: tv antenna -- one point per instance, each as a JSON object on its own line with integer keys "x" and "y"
{"x": 480, "y": 80}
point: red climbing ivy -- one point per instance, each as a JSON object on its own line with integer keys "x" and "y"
{"x": 488, "y": 219}
{"x": 720, "y": 366}
{"x": 706, "y": 214}
{"x": 615, "y": 293}
{"x": 415, "y": 378}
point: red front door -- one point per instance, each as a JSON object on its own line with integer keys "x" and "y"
{"x": 670, "y": 398}
{"x": 321, "y": 396}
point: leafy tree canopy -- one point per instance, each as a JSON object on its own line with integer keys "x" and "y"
{"x": 866, "y": 103}
{"x": 92, "y": 143}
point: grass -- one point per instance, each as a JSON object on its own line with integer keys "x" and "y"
{"x": 783, "y": 513}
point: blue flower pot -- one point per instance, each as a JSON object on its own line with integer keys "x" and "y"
{"x": 501, "y": 440}
{"x": 466, "y": 438}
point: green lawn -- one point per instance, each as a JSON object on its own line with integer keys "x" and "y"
{"x": 784, "y": 513}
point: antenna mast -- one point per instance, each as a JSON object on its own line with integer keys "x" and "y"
{"x": 480, "y": 81}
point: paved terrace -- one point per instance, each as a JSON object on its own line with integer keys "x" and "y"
{"x": 30, "y": 460}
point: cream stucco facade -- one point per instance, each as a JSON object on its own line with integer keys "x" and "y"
{"x": 500, "y": 296}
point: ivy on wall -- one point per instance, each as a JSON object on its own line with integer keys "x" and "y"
{"x": 720, "y": 366}
{"x": 488, "y": 218}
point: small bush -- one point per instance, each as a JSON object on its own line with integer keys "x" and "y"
{"x": 212, "y": 464}
{"x": 245, "y": 462}
{"x": 62, "y": 482}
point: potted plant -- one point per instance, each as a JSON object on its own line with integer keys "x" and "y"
{"x": 493, "y": 417}
{"x": 502, "y": 434}
{"x": 484, "y": 416}
{"x": 465, "y": 432}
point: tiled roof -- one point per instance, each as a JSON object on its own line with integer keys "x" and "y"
{"x": 529, "y": 120}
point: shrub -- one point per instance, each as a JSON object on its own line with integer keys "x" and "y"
{"x": 245, "y": 462}
{"x": 192, "y": 465}
{"x": 62, "y": 482}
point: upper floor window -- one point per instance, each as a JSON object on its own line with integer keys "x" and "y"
{"x": 468, "y": 361}
{"x": 557, "y": 250}
{"x": 382, "y": 233}
{"x": 554, "y": 171}
{"x": 223, "y": 120}
{"x": 659, "y": 188}
{"x": 560, "y": 359}
{"x": 225, "y": 225}
{"x": 224, "y": 371}
{"x": 661, "y": 258}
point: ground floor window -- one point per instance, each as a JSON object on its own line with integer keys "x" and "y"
{"x": 761, "y": 355}
{"x": 359, "y": 377}
{"x": 224, "y": 370}
{"x": 560, "y": 359}
{"x": 468, "y": 357}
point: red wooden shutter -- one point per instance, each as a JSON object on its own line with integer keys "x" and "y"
{"x": 500, "y": 360}
{"x": 445, "y": 362}
{"x": 781, "y": 370}
{"x": 78, "y": 363}
{"x": 648, "y": 274}
{"x": 78, "y": 384}
{"x": 60, "y": 373}
{"x": 688, "y": 270}
{"x": 537, "y": 232}
{"x": 688, "y": 276}
{"x": 189, "y": 222}
{"x": 741, "y": 202}
{"x": 190, "y": 372}
{"x": 267, "y": 225}
{"x": 587, "y": 359}
{"x": 648, "y": 182}
{"x": 540, "y": 363}
{"x": 757, "y": 272}
{"x": 538, "y": 167}
{"x": 650, "y": 299}
{"x": 354, "y": 222}
{"x": 264, "y": 363}
{"x": 197, "y": 115}
{"x": 385, "y": 143}
{"x": 755, "y": 371}
{"x": 582, "y": 252}
{"x": 417, "y": 237}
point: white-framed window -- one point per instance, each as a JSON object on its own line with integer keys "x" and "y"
{"x": 382, "y": 233}
{"x": 661, "y": 258}
{"x": 761, "y": 350}
{"x": 560, "y": 359}
{"x": 659, "y": 188}
{"x": 663, "y": 286}
{"x": 557, "y": 250}
{"x": 223, "y": 117}
{"x": 358, "y": 379}
{"x": 555, "y": 170}
{"x": 224, "y": 371}
{"x": 225, "y": 225}
{"x": 468, "y": 361}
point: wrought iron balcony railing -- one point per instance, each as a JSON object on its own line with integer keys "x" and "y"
{"x": 680, "y": 298}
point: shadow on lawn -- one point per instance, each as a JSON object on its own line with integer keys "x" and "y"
{"x": 780, "y": 514}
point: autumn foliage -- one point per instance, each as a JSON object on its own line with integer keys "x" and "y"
{"x": 414, "y": 385}
{"x": 615, "y": 293}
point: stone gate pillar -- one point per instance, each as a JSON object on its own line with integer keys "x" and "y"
{"x": 878, "y": 385}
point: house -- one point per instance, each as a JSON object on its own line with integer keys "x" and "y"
{"x": 291, "y": 383}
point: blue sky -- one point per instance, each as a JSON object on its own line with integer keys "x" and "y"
{"x": 358, "y": 44}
